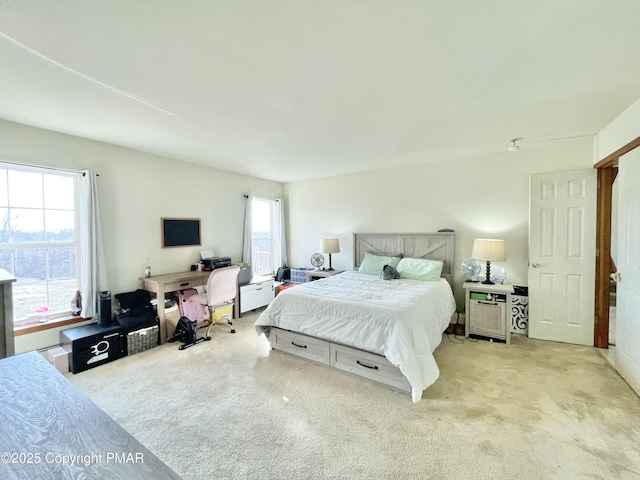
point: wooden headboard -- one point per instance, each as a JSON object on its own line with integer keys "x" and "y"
{"x": 433, "y": 246}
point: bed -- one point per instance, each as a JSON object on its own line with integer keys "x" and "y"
{"x": 382, "y": 330}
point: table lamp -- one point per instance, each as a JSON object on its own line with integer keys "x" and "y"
{"x": 330, "y": 245}
{"x": 489, "y": 250}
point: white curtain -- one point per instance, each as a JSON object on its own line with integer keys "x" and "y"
{"x": 94, "y": 270}
{"x": 246, "y": 240}
{"x": 280, "y": 234}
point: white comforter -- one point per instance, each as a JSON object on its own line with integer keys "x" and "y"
{"x": 400, "y": 319}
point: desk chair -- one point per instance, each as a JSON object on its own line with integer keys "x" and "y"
{"x": 222, "y": 288}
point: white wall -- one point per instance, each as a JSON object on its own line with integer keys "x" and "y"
{"x": 621, "y": 131}
{"x": 137, "y": 189}
{"x": 477, "y": 197}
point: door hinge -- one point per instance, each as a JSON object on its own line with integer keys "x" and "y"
{"x": 595, "y": 319}
{"x": 597, "y": 252}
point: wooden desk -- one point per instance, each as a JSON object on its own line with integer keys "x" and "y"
{"x": 47, "y": 421}
{"x": 173, "y": 282}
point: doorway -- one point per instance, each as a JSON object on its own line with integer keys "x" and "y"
{"x": 613, "y": 285}
{"x": 605, "y": 294}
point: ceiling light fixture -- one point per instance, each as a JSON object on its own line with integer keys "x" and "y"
{"x": 514, "y": 147}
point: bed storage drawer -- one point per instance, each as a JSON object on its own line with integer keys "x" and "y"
{"x": 368, "y": 365}
{"x": 310, "y": 348}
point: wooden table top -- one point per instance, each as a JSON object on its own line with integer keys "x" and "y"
{"x": 52, "y": 430}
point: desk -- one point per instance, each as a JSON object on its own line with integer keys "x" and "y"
{"x": 173, "y": 282}
{"x": 46, "y": 419}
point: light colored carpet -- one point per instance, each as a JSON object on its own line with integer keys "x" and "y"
{"x": 230, "y": 408}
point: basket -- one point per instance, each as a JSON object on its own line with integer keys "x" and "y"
{"x": 142, "y": 340}
{"x": 299, "y": 275}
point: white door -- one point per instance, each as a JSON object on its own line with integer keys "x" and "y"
{"x": 628, "y": 288}
{"x": 562, "y": 255}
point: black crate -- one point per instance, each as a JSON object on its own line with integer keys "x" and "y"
{"x": 92, "y": 345}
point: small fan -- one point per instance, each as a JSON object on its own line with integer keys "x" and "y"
{"x": 317, "y": 260}
{"x": 471, "y": 268}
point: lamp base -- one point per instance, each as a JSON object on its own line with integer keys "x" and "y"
{"x": 487, "y": 280}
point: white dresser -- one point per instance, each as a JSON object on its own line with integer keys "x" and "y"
{"x": 257, "y": 293}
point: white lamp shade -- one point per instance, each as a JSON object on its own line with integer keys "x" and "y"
{"x": 329, "y": 245}
{"x": 489, "y": 249}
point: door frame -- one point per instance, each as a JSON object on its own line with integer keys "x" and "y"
{"x": 607, "y": 171}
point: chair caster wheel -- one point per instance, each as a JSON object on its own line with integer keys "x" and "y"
{"x": 233, "y": 330}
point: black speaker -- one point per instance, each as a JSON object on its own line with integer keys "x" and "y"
{"x": 104, "y": 309}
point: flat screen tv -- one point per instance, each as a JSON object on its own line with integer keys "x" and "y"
{"x": 180, "y": 232}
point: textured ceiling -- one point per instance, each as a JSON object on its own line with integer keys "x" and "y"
{"x": 290, "y": 90}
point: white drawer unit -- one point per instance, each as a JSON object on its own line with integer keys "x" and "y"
{"x": 256, "y": 294}
{"x": 309, "y": 348}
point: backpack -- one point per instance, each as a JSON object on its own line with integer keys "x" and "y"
{"x": 192, "y": 310}
{"x": 389, "y": 273}
{"x": 283, "y": 273}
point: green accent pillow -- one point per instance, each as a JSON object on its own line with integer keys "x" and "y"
{"x": 373, "y": 264}
{"x": 420, "y": 269}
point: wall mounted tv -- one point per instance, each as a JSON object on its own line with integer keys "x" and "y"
{"x": 180, "y": 232}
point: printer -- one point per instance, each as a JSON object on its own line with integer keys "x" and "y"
{"x": 212, "y": 263}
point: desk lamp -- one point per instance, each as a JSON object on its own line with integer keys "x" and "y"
{"x": 330, "y": 245}
{"x": 490, "y": 250}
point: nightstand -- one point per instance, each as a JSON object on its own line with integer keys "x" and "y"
{"x": 488, "y": 309}
{"x": 316, "y": 274}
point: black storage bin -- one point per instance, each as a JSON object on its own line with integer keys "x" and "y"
{"x": 139, "y": 321}
{"x": 92, "y": 345}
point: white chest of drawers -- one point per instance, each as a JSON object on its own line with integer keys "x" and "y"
{"x": 258, "y": 293}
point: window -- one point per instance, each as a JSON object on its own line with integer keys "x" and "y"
{"x": 39, "y": 243}
{"x": 264, "y": 257}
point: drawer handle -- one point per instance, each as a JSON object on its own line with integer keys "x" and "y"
{"x": 488, "y": 303}
{"x": 299, "y": 346}
{"x": 259, "y": 288}
{"x": 184, "y": 284}
{"x": 374, "y": 367}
